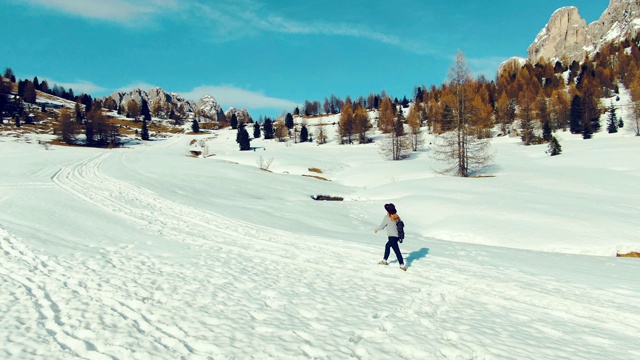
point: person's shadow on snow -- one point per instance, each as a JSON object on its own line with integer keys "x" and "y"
{"x": 415, "y": 255}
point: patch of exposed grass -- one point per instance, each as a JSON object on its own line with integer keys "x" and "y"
{"x": 315, "y": 170}
{"x": 316, "y": 177}
{"x": 631, "y": 255}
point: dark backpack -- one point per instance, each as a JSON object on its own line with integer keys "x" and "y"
{"x": 400, "y": 227}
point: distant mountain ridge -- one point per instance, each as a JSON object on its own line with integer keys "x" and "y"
{"x": 567, "y": 33}
{"x": 207, "y": 106}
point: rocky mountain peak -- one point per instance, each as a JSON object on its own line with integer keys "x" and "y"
{"x": 208, "y": 106}
{"x": 154, "y": 95}
{"x": 241, "y": 114}
{"x": 567, "y": 33}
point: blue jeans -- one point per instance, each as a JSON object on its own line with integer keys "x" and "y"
{"x": 393, "y": 244}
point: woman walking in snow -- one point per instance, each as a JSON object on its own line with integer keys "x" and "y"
{"x": 389, "y": 221}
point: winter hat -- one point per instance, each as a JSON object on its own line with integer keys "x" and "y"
{"x": 391, "y": 209}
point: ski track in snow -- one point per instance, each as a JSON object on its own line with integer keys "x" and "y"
{"x": 266, "y": 293}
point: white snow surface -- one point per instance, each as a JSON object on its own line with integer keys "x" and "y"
{"x": 146, "y": 253}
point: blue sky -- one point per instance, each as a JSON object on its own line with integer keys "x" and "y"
{"x": 266, "y": 55}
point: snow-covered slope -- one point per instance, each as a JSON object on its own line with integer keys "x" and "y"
{"x": 145, "y": 252}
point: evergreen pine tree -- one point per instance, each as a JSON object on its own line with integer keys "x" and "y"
{"x": 546, "y": 131}
{"x": 87, "y": 102}
{"x": 554, "y": 147}
{"x": 145, "y": 130}
{"x": 243, "y": 138}
{"x": 612, "y": 120}
{"x": 21, "y": 84}
{"x": 234, "y": 121}
{"x": 5, "y": 89}
{"x": 195, "y": 126}
{"x": 527, "y": 134}
{"x": 304, "y": 134}
{"x": 78, "y": 113}
{"x": 268, "y": 129}
{"x": 576, "y": 114}
{"x": 9, "y": 75}
{"x": 587, "y": 131}
{"x": 288, "y": 121}
{"x": 447, "y": 119}
{"x": 144, "y": 110}
{"x": 44, "y": 87}
{"x": 620, "y": 123}
{"x": 256, "y": 130}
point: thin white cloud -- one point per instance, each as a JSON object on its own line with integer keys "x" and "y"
{"x": 231, "y": 96}
{"x": 78, "y": 87}
{"x": 229, "y": 19}
{"x": 485, "y": 66}
{"x": 137, "y": 85}
{"x": 123, "y": 11}
{"x": 281, "y": 25}
{"x": 236, "y": 19}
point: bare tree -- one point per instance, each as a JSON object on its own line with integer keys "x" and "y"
{"x": 460, "y": 149}
{"x": 264, "y": 164}
{"x": 321, "y": 136}
{"x": 396, "y": 145}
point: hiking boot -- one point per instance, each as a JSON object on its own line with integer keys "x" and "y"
{"x": 383, "y": 262}
{"x": 403, "y": 267}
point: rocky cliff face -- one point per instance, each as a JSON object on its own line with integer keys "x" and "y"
{"x": 241, "y": 114}
{"x": 567, "y": 33}
{"x": 209, "y": 106}
{"x": 153, "y": 96}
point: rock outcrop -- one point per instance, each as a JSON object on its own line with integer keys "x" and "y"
{"x": 209, "y": 107}
{"x": 241, "y": 114}
{"x": 206, "y": 109}
{"x": 153, "y": 96}
{"x": 567, "y": 33}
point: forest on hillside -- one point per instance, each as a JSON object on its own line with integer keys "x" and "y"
{"x": 527, "y": 100}
{"x": 558, "y": 95}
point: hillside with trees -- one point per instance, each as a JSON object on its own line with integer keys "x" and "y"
{"x": 530, "y": 101}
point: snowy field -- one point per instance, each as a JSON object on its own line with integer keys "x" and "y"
{"x": 145, "y": 252}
